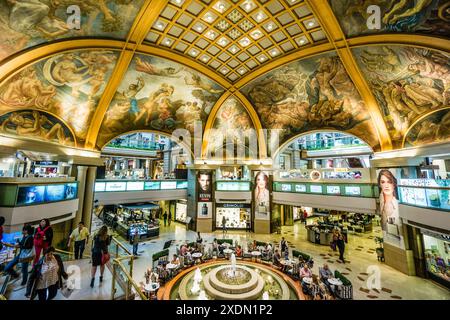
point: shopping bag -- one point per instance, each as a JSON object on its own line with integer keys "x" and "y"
{"x": 66, "y": 291}
{"x": 105, "y": 258}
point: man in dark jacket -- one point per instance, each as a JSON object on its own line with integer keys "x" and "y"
{"x": 25, "y": 255}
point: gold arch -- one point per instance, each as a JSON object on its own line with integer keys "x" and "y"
{"x": 290, "y": 140}
{"x": 75, "y": 139}
{"x": 150, "y": 131}
{"x": 418, "y": 120}
{"x": 251, "y": 112}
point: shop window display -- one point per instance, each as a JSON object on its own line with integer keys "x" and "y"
{"x": 236, "y": 216}
{"x": 437, "y": 257}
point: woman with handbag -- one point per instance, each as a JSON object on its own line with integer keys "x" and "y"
{"x": 100, "y": 255}
{"x": 25, "y": 255}
{"x": 42, "y": 238}
{"x": 47, "y": 276}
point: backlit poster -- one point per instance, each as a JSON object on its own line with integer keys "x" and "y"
{"x": 204, "y": 186}
{"x": 391, "y": 222}
{"x": 204, "y": 210}
{"x": 168, "y": 185}
{"x": 54, "y": 192}
{"x": 30, "y": 194}
{"x": 261, "y": 195}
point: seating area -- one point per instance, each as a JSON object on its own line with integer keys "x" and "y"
{"x": 296, "y": 264}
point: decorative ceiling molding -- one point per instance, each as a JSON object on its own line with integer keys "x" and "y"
{"x": 330, "y": 25}
{"x": 142, "y": 23}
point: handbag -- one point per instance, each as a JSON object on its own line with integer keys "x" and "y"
{"x": 26, "y": 255}
{"x": 105, "y": 258}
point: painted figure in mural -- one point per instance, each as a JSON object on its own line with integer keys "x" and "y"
{"x": 401, "y": 10}
{"x": 434, "y": 128}
{"x": 386, "y": 61}
{"x": 130, "y": 94}
{"x": 36, "y": 125}
{"x": 147, "y": 67}
{"x": 390, "y": 220}
{"x": 26, "y": 90}
{"x": 151, "y": 105}
{"x": 196, "y": 81}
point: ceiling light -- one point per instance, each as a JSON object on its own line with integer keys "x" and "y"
{"x": 224, "y": 70}
{"x": 199, "y": 28}
{"x": 274, "y": 52}
{"x": 269, "y": 26}
{"x": 262, "y": 58}
{"x": 242, "y": 71}
{"x": 160, "y": 25}
{"x": 233, "y": 50}
{"x": 302, "y": 41}
{"x": 311, "y": 24}
{"x": 244, "y": 42}
{"x": 259, "y": 17}
{"x": 204, "y": 59}
{"x": 194, "y": 53}
{"x": 167, "y": 41}
{"x": 248, "y": 6}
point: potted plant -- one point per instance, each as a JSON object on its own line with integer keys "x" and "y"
{"x": 380, "y": 249}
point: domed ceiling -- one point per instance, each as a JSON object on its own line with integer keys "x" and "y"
{"x": 79, "y": 73}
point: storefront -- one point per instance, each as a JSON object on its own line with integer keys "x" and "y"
{"x": 298, "y": 212}
{"x": 132, "y": 217}
{"x": 437, "y": 256}
{"x": 236, "y": 214}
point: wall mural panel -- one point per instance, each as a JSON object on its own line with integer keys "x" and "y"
{"x": 433, "y": 128}
{"x": 429, "y": 17}
{"x": 68, "y": 85}
{"x": 311, "y": 94}
{"x": 158, "y": 94}
{"x": 232, "y": 118}
{"x": 406, "y": 81}
{"x": 38, "y": 125}
{"x": 27, "y": 23}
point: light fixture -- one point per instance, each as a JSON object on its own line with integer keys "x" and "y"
{"x": 259, "y": 17}
{"x": 223, "y": 42}
{"x": 302, "y": 41}
{"x": 270, "y": 27}
{"x": 242, "y": 71}
{"x": 233, "y": 49}
{"x": 311, "y": 24}
{"x": 248, "y": 6}
{"x": 160, "y": 25}
{"x": 224, "y": 70}
{"x": 167, "y": 41}
{"x": 194, "y": 53}
{"x": 274, "y": 52}
{"x": 204, "y": 58}
{"x": 262, "y": 58}
{"x": 199, "y": 28}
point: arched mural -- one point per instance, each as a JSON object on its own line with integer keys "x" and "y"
{"x": 418, "y": 17}
{"x": 311, "y": 94}
{"x": 158, "y": 94}
{"x": 233, "y": 119}
{"x": 68, "y": 85}
{"x": 27, "y": 23}
{"x": 431, "y": 129}
{"x": 406, "y": 81}
{"x": 38, "y": 125}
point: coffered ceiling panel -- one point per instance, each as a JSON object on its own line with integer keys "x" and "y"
{"x": 235, "y": 37}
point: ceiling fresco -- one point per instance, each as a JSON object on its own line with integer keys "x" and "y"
{"x": 37, "y": 125}
{"x": 158, "y": 94}
{"x": 311, "y": 94}
{"x": 67, "y": 85}
{"x": 233, "y": 119}
{"x": 406, "y": 81}
{"x": 27, "y": 23}
{"x": 407, "y": 16}
{"x": 433, "y": 128}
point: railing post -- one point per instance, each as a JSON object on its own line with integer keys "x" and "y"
{"x": 113, "y": 289}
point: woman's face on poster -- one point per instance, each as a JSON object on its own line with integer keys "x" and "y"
{"x": 386, "y": 186}
{"x": 261, "y": 182}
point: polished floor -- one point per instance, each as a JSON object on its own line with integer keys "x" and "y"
{"x": 359, "y": 253}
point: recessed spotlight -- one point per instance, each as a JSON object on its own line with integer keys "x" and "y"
{"x": 204, "y": 59}
{"x": 233, "y": 50}
{"x": 194, "y": 53}
{"x": 160, "y": 25}
{"x": 241, "y": 71}
{"x": 262, "y": 58}
{"x": 269, "y": 26}
{"x": 221, "y": 6}
{"x": 248, "y": 6}
{"x": 259, "y": 17}
{"x": 274, "y": 52}
{"x": 311, "y": 24}
{"x": 199, "y": 28}
{"x": 167, "y": 41}
{"x": 224, "y": 70}
{"x": 302, "y": 41}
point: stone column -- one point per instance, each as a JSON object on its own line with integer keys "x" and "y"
{"x": 89, "y": 196}
{"x": 81, "y": 178}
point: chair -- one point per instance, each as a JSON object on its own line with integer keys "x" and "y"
{"x": 294, "y": 272}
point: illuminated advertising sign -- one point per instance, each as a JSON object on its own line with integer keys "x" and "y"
{"x": 116, "y": 186}
{"x": 167, "y": 185}
{"x": 135, "y": 186}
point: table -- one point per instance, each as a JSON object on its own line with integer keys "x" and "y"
{"x": 228, "y": 252}
{"x": 335, "y": 281}
{"x": 197, "y": 256}
{"x": 307, "y": 280}
{"x": 256, "y": 255}
{"x": 151, "y": 288}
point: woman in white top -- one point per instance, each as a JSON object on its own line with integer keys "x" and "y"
{"x": 262, "y": 196}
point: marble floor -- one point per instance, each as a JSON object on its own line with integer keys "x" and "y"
{"x": 362, "y": 261}
{"x": 359, "y": 253}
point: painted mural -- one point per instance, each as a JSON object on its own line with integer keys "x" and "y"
{"x": 68, "y": 85}
{"x": 157, "y": 94}
{"x": 26, "y": 23}
{"x": 433, "y": 128}
{"x": 232, "y": 119}
{"x": 409, "y": 16}
{"x": 311, "y": 94}
{"x": 407, "y": 82}
{"x": 38, "y": 125}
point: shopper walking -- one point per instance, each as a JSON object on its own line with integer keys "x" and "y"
{"x": 43, "y": 238}
{"x": 100, "y": 255}
{"x": 283, "y": 245}
{"x": 80, "y": 236}
{"x": 340, "y": 243}
{"x": 224, "y": 222}
{"x": 170, "y": 217}
{"x": 135, "y": 241}
{"x": 165, "y": 218}
{"x": 46, "y": 276}
{"x": 333, "y": 243}
{"x": 25, "y": 256}
{"x": 249, "y": 229}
